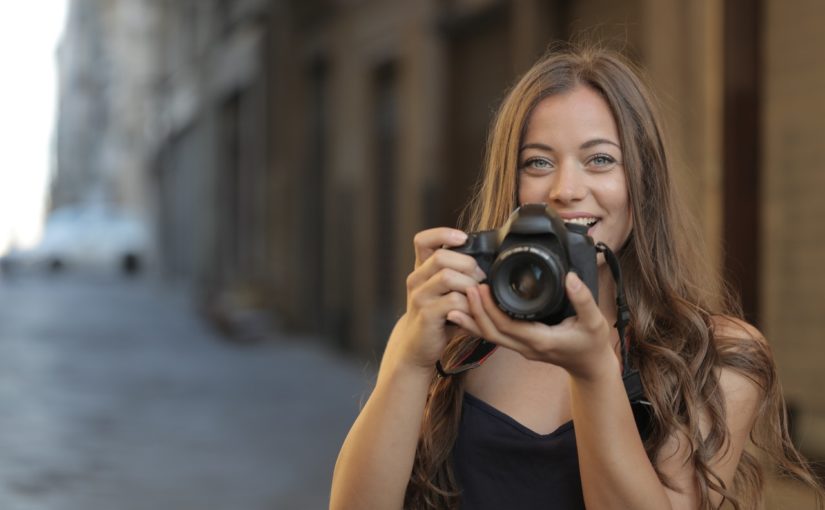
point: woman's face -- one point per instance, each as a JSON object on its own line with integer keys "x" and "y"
{"x": 570, "y": 158}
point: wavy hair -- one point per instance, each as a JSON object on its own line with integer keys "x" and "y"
{"x": 677, "y": 302}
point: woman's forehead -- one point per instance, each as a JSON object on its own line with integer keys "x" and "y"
{"x": 578, "y": 115}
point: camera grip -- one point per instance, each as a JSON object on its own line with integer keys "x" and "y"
{"x": 482, "y": 246}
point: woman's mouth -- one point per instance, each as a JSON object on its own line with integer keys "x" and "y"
{"x": 586, "y": 221}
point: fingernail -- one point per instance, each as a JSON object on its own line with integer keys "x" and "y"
{"x": 459, "y": 236}
{"x": 479, "y": 274}
{"x": 574, "y": 283}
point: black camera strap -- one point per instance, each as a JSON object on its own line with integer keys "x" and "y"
{"x": 622, "y": 311}
{"x": 631, "y": 378}
{"x": 473, "y": 359}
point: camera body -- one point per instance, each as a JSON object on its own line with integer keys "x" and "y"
{"x": 527, "y": 259}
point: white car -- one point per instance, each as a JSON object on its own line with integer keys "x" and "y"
{"x": 89, "y": 238}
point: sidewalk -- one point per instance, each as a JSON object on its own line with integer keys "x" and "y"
{"x": 117, "y": 396}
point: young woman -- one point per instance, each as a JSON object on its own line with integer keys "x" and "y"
{"x": 545, "y": 421}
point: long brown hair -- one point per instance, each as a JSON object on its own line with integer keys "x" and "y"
{"x": 677, "y": 302}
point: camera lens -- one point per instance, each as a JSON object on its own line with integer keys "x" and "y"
{"x": 527, "y": 281}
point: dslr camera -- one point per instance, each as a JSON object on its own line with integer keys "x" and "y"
{"x": 527, "y": 259}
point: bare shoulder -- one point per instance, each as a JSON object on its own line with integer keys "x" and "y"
{"x": 735, "y": 337}
{"x": 726, "y": 327}
{"x": 746, "y": 363}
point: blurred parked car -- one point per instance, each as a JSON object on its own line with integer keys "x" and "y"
{"x": 88, "y": 237}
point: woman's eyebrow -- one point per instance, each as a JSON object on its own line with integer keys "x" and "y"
{"x": 598, "y": 141}
{"x": 536, "y": 146}
{"x": 586, "y": 145}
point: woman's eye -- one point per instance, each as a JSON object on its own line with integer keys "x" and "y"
{"x": 536, "y": 164}
{"x": 602, "y": 161}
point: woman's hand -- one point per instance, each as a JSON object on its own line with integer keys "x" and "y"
{"x": 376, "y": 460}
{"x": 580, "y": 344}
{"x": 436, "y": 287}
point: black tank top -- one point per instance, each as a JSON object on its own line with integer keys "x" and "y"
{"x": 500, "y": 463}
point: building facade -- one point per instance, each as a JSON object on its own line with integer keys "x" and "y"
{"x": 107, "y": 73}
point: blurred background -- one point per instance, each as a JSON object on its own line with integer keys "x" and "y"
{"x": 207, "y": 210}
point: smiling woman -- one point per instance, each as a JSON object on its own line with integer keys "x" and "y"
{"x": 28, "y": 43}
{"x": 549, "y": 418}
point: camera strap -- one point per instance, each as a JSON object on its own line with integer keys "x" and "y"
{"x": 630, "y": 377}
{"x": 622, "y": 311}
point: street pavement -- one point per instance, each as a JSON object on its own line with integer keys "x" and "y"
{"x": 115, "y": 395}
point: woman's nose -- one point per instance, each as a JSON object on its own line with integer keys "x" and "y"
{"x": 568, "y": 184}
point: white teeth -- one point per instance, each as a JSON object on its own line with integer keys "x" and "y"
{"x": 582, "y": 221}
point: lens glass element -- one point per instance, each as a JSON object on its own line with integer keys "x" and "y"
{"x": 527, "y": 281}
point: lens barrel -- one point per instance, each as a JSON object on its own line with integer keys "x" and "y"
{"x": 527, "y": 281}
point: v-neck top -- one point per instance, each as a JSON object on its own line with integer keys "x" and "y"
{"x": 500, "y": 463}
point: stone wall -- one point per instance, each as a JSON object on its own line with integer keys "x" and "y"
{"x": 793, "y": 286}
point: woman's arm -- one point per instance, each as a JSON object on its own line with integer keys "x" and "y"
{"x": 376, "y": 460}
{"x": 615, "y": 469}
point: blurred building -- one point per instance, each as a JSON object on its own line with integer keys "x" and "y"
{"x": 213, "y": 171}
{"x": 107, "y": 72}
{"x": 298, "y": 145}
